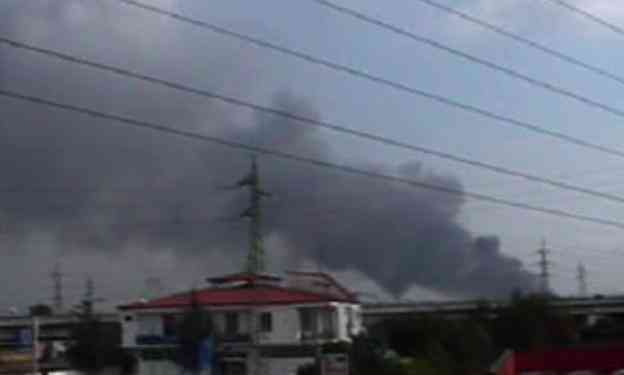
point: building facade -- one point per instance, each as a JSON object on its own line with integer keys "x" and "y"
{"x": 262, "y": 324}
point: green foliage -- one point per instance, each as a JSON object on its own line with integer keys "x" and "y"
{"x": 418, "y": 366}
{"x": 529, "y": 323}
{"x": 194, "y": 328}
{"x": 470, "y": 344}
{"x": 309, "y": 369}
{"x": 97, "y": 345}
{"x": 367, "y": 356}
{"x": 450, "y": 346}
{"x": 40, "y": 310}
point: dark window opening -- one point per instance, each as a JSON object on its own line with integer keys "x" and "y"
{"x": 308, "y": 320}
{"x": 266, "y": 322}
{"x": 231, "y": 323}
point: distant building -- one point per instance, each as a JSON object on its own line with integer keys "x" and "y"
{"x": 263, "y": 324}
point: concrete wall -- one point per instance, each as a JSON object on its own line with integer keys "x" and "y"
{"x": 284, "y": 366}
{"x": 150, "y": 324}
{"x": 285, "y": 325}
{"x": 163, "y": 368}
{"x": 129, "y": 329}
{"x": 270, "y": 366}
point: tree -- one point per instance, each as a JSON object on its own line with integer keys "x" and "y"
{"x": 193, "y": 331}
{"x": 530, "y": 323}
{"x": 367, "y": 356}
{"x": 448, "y": 346}
{"x": 97, "y": 344}
{"x": 40, "y": 310}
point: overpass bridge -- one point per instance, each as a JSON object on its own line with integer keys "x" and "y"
{"x": 51, "y": 328}
{"x": 587, "y": 308}
{"x": 55, "y": 332}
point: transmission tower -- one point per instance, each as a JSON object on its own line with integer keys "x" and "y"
{"x": 89, "y": 289}
{"x": 582, "y": 279}
{"x": 57, "y": 281}
{"x": 255, "y": 258}
{"x": 89, "y": 298}
{"x": 544, "y": 265}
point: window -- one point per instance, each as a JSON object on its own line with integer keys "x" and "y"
{"x": 353, "y": 320}
{"x": 150, "y": 325}
{"x": 170, "y": 325}
{"x": 307, "y": 319}
{"x": 327, "y": 323}
{"x": 350, "y": 320}
{"x": 231, "y": 323}
{"x": 266, "y": 322}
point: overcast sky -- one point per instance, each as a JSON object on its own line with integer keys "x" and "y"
{"x": 108, "y": 31}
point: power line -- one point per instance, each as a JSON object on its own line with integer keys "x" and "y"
{"x": 542, "y": 196}
{"x": 326, "y": 125}
{"x": 95, "y": 189}
{"x": 595, "y": 253}
{"x": 306, "y": 160}
{"x": 588, "y": 15}
{"x": 528, "y": 42}
{"x": 566, "y": 248}
{"x": 472, "y": 58}
{"x": 567, "y": 175}
{"x": 329, "y": 64}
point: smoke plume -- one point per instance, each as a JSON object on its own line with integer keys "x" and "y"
{"x": 94, "y": 186}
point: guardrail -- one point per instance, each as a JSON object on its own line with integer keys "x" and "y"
{"x": 612, "y": 304}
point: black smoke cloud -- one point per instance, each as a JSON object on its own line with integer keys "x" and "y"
{"x": 101, "y": 186}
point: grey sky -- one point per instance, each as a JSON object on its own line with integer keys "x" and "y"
{"x": 146, "y": 42}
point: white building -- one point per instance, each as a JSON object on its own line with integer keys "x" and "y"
{"x": 263, "y": 325}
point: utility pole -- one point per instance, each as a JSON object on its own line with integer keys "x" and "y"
{"x": 57, "y": 280}
{"x": 544, "y": 265}
{"x": 89, "y": 295}
{"x": 255, "y": 258}
{"x": 89, "y": 298}
{"x": 582, "y": 279}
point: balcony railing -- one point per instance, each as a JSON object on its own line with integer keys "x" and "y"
{"x": 312, "y": 335}
{"x": 235, "y": 338}
{"x": 156, "y": 340}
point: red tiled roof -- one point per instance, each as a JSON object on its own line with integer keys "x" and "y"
{"x": 330, "y": 280}
{"x": 244, "y": 277}
{"x": 249, "y": 295}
